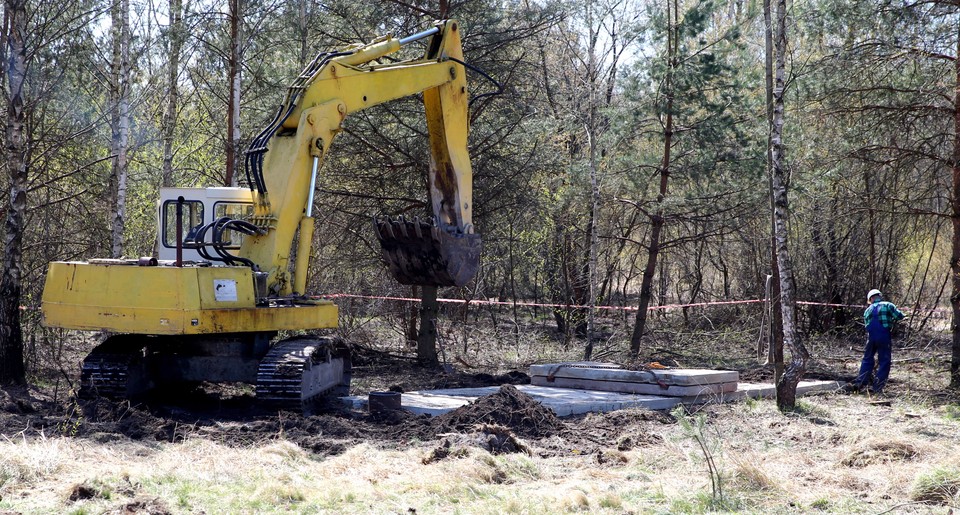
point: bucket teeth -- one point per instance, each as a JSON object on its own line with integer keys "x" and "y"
{"x": 416, "y": 227}
{"x": 419, "y": 252}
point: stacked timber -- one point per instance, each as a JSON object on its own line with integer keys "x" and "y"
{"x": 687, "y": 383}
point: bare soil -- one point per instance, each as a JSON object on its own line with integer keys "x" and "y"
{"x": 505, "y": 422}
{"x": 231, "y": 415}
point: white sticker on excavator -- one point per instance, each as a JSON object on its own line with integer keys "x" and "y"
{"x": 225, "y": 290}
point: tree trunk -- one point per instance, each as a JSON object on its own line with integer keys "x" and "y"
{"x": 593, "y": 242}
{"x": 787, "y": 385}
{"x": 120, "y": 122}
{"x": 592, "y": 137}
{"x": 955, "y": 217}
{"x": 871, "y": 232}
{"x": 233, "y": 102}
{"x": 173, "y": 92}
{"x": 657, "y": 220}
{"x": 411, "y": 320}
{"x": 303, "y": 33}
{"x": 12, "y": 369}
{"x": 775, "y": 341}
{"x": 427, "y": 339}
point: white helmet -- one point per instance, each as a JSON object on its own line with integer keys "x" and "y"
{"x": 872, "y": 294}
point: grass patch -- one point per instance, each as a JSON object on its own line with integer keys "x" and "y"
{"x": 952, "y": 412}
{"x": 940, "y": 486}
{"x": 36, "y": 460}
{"x": 809, "y": 410}
{"x": 821, "y": 504}
{"x": 749, "y": 475}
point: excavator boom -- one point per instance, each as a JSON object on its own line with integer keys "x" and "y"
{"x": 442, "y": 248}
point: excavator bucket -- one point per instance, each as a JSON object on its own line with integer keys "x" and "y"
{"x": 419, "y": 252}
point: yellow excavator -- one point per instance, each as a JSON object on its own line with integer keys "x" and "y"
{"x": 231, "y": 270}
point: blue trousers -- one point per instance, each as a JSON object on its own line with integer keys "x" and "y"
{"x": 883, "y": 348}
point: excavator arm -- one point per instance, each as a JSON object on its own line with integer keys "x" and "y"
{"x": 284, "y": 160}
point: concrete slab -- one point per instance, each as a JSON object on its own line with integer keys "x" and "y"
{"x": 567, "y": 401}
{"x": 609, "y": 372}
{"x": 716, "y": 398}
{"x": 639, "y": 388}
{"x": 562, "y": 401}
{"x": 769, "y": 391}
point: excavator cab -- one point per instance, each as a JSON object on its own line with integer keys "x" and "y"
{"x": 197, "y": 208}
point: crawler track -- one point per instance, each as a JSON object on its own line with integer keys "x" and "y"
{"x": 297, "y": 372}
{"x": 105, "y": 375}
{"x": 115, "y": 368}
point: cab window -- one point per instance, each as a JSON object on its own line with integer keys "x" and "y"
{"x": 192, "y": 219}
{"x": 236, "y": 211}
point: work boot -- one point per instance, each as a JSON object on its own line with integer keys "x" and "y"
{"x": 851, "y": 387}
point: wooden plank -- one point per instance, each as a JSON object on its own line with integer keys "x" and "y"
{"x": 637, "y": 388}
{"x": 673, "y": 377}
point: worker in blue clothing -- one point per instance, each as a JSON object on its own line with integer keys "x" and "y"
{"x": 878, "y": 319}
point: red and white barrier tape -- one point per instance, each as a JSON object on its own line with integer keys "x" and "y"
{"x": 574, "y": 306}
{"x": 485, "y": 302}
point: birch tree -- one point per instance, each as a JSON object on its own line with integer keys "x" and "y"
{"x": 775, "y": 328}
{"x": 175, "y": 37}
{"x": 120, "y": 121}
{"x": 592, "y": 133}
{"x": 16, "y": 155}
{"x": 233, "y": 101}
{"x": 955, "y": 219}
{"x": 581, "y": 66}
{"x": 787, "y": 385}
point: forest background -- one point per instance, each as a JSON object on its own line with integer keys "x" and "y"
{"x": 623, "y": 161}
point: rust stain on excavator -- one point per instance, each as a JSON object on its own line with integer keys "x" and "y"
{"x": 446, "y": 183}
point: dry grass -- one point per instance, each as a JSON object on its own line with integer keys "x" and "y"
{"x": 770, "y": 463}
{"x": 836, "y": 454}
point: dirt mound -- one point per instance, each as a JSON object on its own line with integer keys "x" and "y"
{"x": 489, "y": 437}
{"x": 509, "y": 408}
{"x": 629, "y": 429}
{"x": 874, "y": 452}
{"x": 105, "y": 416}
{"x": 464, "y": 380}
{"x": 145, "y": 506}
